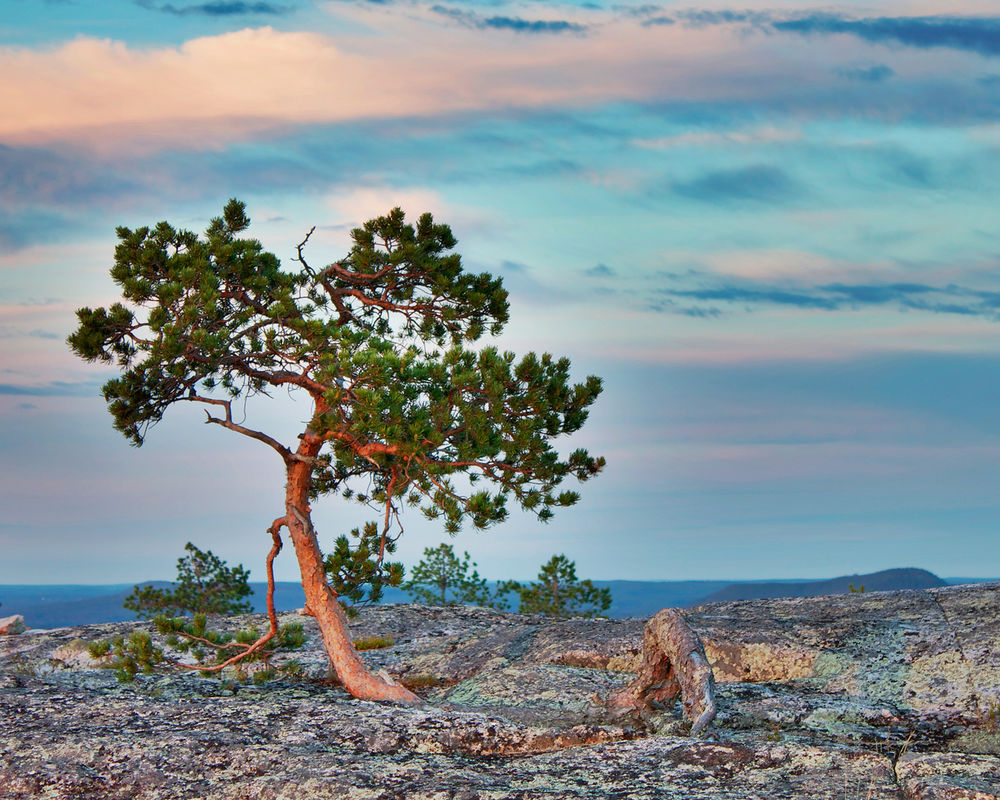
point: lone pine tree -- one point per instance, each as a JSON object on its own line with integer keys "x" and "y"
{"x": 402, "y": 411}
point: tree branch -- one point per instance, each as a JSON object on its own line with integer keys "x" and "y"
{"x": 250, "y": 649}
{"x": 274, "y": 444}
{"x": 301, "y": 259}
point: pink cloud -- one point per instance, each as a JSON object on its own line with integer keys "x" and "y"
{"x": 210, "y": 90}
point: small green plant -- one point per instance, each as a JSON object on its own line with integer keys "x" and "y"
{"x": 859, "y": 590}
{"x": 262, "y": 676}
{"x": 292, "y": 669}
{"x": 98, "y": 649}
{"x": 131, "y": 656}
{"x": 422, "y": 680}
{"x": 358, "y": 573}
{"x": 291, "y": 636}
{"x": 137, "y": 653}
{"x": 373, "y": 642}
{"x": 991, "y": 717}
{"x": 196, "y": 638}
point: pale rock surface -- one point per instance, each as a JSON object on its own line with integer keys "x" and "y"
{"x": 9, "y": 626}
{"x": 857, "y": 697}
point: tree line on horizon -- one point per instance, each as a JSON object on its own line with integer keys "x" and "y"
{"x": 207, "y": 585}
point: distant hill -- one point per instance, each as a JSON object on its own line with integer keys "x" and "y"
{"x": 60, "y": 606}
{"x": 57, "y": 606}
{"x": 884, "y": 581}
{"x": 645, "y": 598}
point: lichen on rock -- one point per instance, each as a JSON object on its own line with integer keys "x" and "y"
{"x": 890, "y": 695}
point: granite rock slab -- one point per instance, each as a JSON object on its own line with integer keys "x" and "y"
{"x": 880, "y": 695}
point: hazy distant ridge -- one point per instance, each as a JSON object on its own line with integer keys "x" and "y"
{"x": 63, "y": 605}
{"x": 884, "y": 581}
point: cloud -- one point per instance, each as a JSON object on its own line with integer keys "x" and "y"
{"x": 976, "y": 34}
{"x": 217, "y": 9}
{"x": 32, "y": 175}
{"x": 8, "y": 332}
{"x": 524, "y": 285}
{"x": 24, "y": 226}
{"x": 699, "y": 19}
{"x": 719, "y": 293}
{"x": 52, "y": 389}
{"x": 739, "y": 294}
{"x": 355, "y": 206}
{"x": 600, "y": 271}
{"x": 758, "y": 184}
{"x": 979, "y": 34}
{"x": 515, "y": 24}
{"x": 533, "y": 25}
{"x": 103, "y": 91}
{"x": 99, "y": 93}
{"x": 764, "y": 136}
{"x": 876, "y": 73}
{"x": 351, "y": 206}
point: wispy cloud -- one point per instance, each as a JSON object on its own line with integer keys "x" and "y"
{"x": 718, "y": 294}
{"x": 876, "y": 73}
{"x": 754, "y": 296}
{"x": 702, "y": 18}
{"x": 25, "y": 226}
{"x": 600, "y": 271}
{"x": 32, "y": 175}
{"x": 758, "y": 184}
{"x": 976, "y": 34}
{"x": 980, "y": 34}
{"x": 8, "y": 332}
{"x": 217, "y": 9}
{"x": 516, "y": 24}
{"x": 715, "y": 138}
{"x": 352, "y": 205}
{"x": 52, "y": 389}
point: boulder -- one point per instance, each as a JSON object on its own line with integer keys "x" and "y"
{"x": 12, "y": 625}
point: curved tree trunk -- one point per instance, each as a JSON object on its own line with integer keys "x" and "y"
{"x": 320, "y": 598}
{"x": 673, "y": 663}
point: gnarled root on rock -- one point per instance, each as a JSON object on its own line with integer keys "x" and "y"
{"x": 673, "y": 663}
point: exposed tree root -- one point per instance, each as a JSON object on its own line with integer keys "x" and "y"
{"x": 247, "y": 650}
{"x": 673, "y": 663}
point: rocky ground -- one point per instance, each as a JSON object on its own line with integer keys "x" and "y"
{"x": 852, "y": 697}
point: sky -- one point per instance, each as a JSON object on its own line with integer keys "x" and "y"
{"x": 770, "y": 227}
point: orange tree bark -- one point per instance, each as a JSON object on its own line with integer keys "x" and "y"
{"x": 320, "y": 598}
